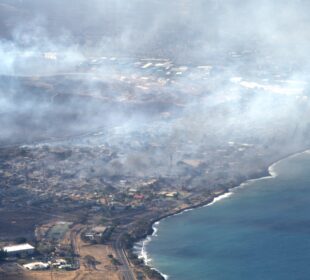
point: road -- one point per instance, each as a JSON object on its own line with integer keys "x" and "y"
{"x": 121, "y": 256}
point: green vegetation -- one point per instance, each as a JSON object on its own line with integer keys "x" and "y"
{"x": 45, "y": 249}
{"x": 91, "y": 261}
{"x": 20, "y": 240}
{"x": 3, "y": 255}
{"x": 134, "y": 258}
{"x": 151, "y": 273}
{"x": 114, "y": 261}
{"x": 107, "y": 235}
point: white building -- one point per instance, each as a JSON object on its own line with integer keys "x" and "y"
{"x": 36, "y": 266}
{"x": 21, "y": 249}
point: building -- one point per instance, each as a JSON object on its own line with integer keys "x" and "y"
{"x": 169, "y": 194}
{"x": 36, "y": 266}
{"x": 96, "y": 232}
{"x": 59, "y": 262}
{"x": 19, "y": 250}
{"x": 138, "y": 196}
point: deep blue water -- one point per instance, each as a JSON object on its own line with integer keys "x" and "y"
{"x": 260, "y": 232}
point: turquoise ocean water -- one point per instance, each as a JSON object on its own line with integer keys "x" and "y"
{"x": 262, "y": 231}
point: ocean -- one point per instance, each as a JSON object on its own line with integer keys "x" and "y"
{"x": 260, "y": 231}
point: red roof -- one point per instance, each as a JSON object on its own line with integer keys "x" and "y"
{"x": 138, "y": 196}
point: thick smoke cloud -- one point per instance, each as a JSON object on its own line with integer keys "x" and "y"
{"x": 182, "y": 29}
{"x": 67, "y": 67}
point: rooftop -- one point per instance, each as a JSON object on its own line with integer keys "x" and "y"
{"x": 16, "y": 248}
{"x": 36, "y": 265}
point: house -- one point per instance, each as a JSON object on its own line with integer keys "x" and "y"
{"x": 132, "y": 190}
{"x": 169, "y": 194}
{"x": 59, "y": 262}
{"x": 138, "y": 196}
{"x": 19, "y": 250}
{"x": 96, "y": 232}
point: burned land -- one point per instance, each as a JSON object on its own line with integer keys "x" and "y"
{"x": 93, "y": 156}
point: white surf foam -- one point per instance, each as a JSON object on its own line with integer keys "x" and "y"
{"x": 140, "y": 247}
{"x": 219, "y": 198}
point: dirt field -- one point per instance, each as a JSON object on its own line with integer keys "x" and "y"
{"x": 102, "y": 269}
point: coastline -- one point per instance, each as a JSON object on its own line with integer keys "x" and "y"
{"x": 268, "y": 173}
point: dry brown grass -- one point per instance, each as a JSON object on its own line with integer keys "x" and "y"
{"x": 103, "y": 270}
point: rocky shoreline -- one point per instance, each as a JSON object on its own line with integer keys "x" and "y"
{"x": 153, "y": 273}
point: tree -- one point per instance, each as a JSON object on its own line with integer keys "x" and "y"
{"x": 20, "y": 240}
{"x": 3, "y": 255}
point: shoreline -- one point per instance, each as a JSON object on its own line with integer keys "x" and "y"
{"x": 268, "y": 173}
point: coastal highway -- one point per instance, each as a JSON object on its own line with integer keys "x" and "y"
{"x": 121, "y": 256}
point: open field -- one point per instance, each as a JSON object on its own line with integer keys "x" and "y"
{"x": 16, "y": 224}
{"x": 99, "y": 268}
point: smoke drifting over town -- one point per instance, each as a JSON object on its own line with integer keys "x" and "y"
{"x": 160, "y": 81}
{"x": 178, "y": 28}
{"x": 115, "y": 114}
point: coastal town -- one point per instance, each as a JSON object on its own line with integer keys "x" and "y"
{"x": 154, "y": 140}
{"x": 73, "y": 205}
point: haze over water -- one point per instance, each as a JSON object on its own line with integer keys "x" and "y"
{"x": 260, "y": 232}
